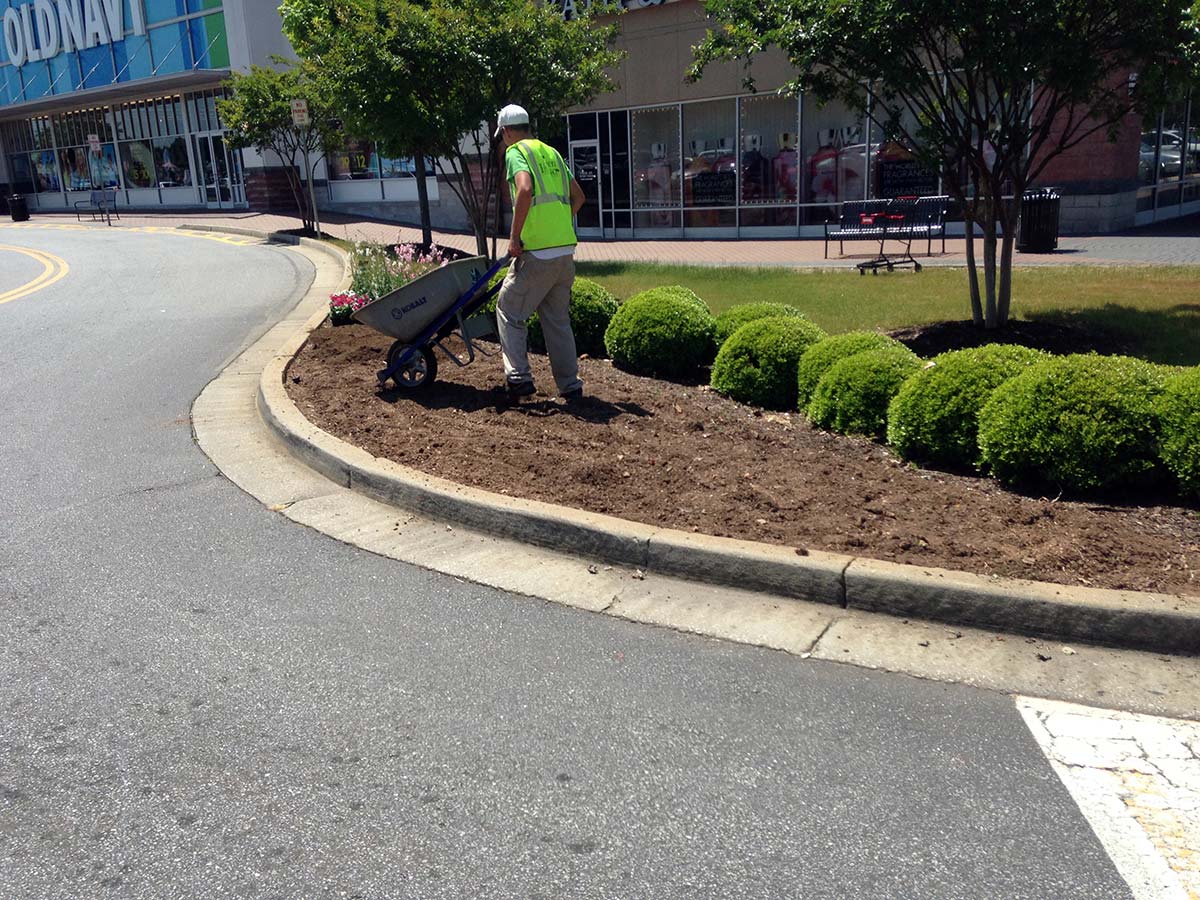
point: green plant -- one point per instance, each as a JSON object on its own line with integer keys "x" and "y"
{"x": 1179, "y": 416}
{"x": 852, "y": 396}
{"x": 1081, "y": 423}
{"x": 935, "y": 417}
{"x": 757, "y": 364}
{"x": 683, "y": 293}
{"x": 377, "y": 269}
{"x": 818, "y": 358}
{"x": 592, "y": 308}
{"x": 735, "y": 317}
{"x": 661, "y": 332}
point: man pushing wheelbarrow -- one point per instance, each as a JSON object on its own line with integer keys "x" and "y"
{"x": 545, "y": 199}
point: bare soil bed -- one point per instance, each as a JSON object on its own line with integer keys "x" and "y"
{"x": 684, "y": 457}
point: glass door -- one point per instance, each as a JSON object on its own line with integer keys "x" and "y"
{"x": 221, "y": 181}
{"x": 585, "y": 164}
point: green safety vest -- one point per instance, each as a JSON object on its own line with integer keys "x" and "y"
{"x": 549, "y": 221}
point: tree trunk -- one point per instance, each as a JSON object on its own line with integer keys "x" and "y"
{"x": 423, "y": 199}
{"x": 990, "y": 317}
{"x": 1004, "y": 300}
{"x": 972, "y": 269}
{"x": 297, "y": 185}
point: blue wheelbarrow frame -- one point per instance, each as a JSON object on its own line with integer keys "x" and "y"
{"x": 411, "y": 363}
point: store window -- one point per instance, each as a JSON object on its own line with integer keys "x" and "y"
{"x": 833, "y": 160}
{"x": 64, "y": 73}
{"x": 656, "y": 166}
{"x": 355, "y": 161}
{"x": 895, "y": 169}
{"x": 137, "y": 164}
{"x": 20, "y": 171}
{"x": 36, "y": 76}
{"x": 83, "y": 170}
{"x": 96, "y": 65}
{"x": 171, "y": 166}
{"x": 132, "y": 58}
{"x": 710, "y": 162}
{"x": 770, "y": 181}
{"x": 403, "y": 167}
{"x": 44, "y": 171}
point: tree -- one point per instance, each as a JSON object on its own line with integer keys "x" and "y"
{"x": 986, "y": 93}
{"x": 431, "y": 76}
{"x": 381, "y": 65}
{"x": 259, "y": 115}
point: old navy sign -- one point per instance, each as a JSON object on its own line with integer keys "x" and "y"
{"x": 45, "y": 28}
{"x": 571, "y": 8}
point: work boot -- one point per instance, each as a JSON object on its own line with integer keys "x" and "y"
{"x": 518, "y": 389}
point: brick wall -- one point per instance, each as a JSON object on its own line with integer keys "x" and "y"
{"x": 267, "y": 189}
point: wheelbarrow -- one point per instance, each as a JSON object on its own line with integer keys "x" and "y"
{"x": 423, "y": 313}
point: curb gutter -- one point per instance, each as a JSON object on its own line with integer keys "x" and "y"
{"x": 1131, "y": 619}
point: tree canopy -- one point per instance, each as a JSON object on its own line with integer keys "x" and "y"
{"x": 258, "y": 114}
{"x": 986, "y": 93}
{"x": 428, "y": 78}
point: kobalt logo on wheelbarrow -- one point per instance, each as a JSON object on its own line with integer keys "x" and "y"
{"x": 398, "y": 312}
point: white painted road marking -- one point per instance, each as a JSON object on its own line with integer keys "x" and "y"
{"x": 1137, "y": 780}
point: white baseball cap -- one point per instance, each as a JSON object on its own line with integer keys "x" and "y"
{"x": 511, "y": 115}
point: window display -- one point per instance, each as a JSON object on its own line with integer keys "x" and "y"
{"x": 171, "y": 166}
{"x": 45, "y": 171}
{"x": 834, "y": 155}
{"x": 137, "y": 164}
{"x": 355, "y": 161}
{"x": 656, "y": 164}
{"x": 710, "y": 157}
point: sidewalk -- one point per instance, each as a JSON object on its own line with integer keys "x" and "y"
{"x": 1169, "y": 243}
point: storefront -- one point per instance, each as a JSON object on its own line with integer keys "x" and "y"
{"x": 664, "y": 158}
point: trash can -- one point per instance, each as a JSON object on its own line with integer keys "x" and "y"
{"x": 1039, "y": 221}
{"x": 18, "y": 208}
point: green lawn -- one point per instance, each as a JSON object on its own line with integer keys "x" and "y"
{"x": 1153, "y": 309}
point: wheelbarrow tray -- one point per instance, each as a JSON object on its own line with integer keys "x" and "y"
{"x": 407, "y": 312}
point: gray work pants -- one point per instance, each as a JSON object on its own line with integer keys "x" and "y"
{"x": 542, "y": 286}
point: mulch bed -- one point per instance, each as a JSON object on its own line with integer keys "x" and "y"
{"x": 684, "y": 457}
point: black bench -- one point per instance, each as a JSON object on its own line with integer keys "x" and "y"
{"x": 103, "y": 202}
{"x": 901, "y": 218}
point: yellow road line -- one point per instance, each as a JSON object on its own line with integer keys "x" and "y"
{"x": 55, "y": 269}
{"x": 236, "y": 240}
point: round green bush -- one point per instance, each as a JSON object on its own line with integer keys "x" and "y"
{"x": 736, "y": 316}
{"x": 1179, "y": 418}
{"x": 592, "y": 308}
{"x": 661, "y": 332}
{"x": 757, "y": 364}
{"x": 818, "y": 358}
{"x": 1081, "y": 423}
{"x": 682, "y": 293}
{"x": 934, "y": 418}
{"x": 853, "y": 396}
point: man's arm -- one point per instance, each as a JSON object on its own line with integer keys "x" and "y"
{"x": 524, "y": 182}
{"x": 577, "y": 198}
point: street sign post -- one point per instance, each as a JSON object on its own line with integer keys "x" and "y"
{"x": 300, "y": 119}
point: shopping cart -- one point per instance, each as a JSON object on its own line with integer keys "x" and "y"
{"x": 423, "y": 313}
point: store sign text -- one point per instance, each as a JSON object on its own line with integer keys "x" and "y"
{"x": 43, "y": 29}
{"x": 572, "y": 8}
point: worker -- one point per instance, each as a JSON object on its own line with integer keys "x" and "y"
{"x": 545, "y": 198}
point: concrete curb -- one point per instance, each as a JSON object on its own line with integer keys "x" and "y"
{"x": 1131, "y": 619}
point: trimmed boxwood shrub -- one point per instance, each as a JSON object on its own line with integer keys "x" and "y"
{"x": 818, "y": 358}
{"x": 736, "y": 316}
{"x": 682, "y": 293}
{"x": 592, "y": 308}
{"x": 853, "y": 396}
{"x": 1179, "y": 415}
{"x": 758, "y": 363}
{"x": 935, "y": 416}
{"x": 1081, "y": 423}
{"x": 661, "y": 332}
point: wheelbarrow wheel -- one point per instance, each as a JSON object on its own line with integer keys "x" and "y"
{"x": 418, "y": 373}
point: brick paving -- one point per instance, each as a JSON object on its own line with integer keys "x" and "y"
{"x": 1169, "y": 243}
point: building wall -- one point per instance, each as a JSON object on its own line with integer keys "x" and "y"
{"x": 658, "y": 41}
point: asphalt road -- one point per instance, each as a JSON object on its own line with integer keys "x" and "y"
{"x": 200, "y": 699}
